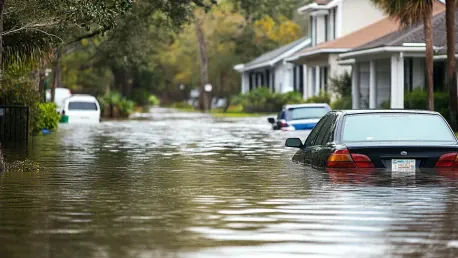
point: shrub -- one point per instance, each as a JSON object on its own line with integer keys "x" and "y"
{"x": 153, "y": 100}
{"x": 140, "y": 96}
{"x": 114, "y": 104}
{"x": 262, "y": 100}
{"x": 48, "y": 117}
{"x": 342, "y": 103}
{"x": 341, "y": 85}
{"x": 22, "y": 93}
{"x": 322, "y": 98}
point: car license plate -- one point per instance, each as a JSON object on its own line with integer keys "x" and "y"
{"x": 403, "y": 165}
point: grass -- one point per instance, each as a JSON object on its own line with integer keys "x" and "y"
{"x": 232, "y": 111}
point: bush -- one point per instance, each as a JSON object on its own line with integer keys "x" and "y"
{"x": 322, "y": 98}
{"x": 22, "y": 93}
{"x": 262, "y": 100}
{"x": 48, "y": 117}
{"x": 140, "y": 96}
{"x": 341, "y": 85}
{"x": 113, "y": 104}
{"x": 153, "y": 100}
{"x": 342, "y": 103}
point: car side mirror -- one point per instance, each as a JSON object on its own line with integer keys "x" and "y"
{"x": 271, "y": 120}
{"x": 294, "y": 143}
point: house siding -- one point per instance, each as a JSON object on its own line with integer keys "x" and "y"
{"x": 357, "y": 14}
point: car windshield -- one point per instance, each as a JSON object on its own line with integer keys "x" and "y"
{"x": 307, "y": 112}
{"x": 80, "y": 105}
{"x": 395, "y": 127}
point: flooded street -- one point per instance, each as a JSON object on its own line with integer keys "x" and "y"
{"x": 175, "y": 184}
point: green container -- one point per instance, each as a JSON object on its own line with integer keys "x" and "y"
{"x": 63, "y": 119}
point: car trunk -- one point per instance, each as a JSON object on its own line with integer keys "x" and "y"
{"x": 425, "y": 154}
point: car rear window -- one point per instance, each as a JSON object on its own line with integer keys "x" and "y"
{"x": 80, "y": 105}
{"x": 307, "y": 113}
{"x": 395, "y": 127}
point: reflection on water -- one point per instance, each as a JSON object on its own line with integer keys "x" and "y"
{"x": 187, "y": 185}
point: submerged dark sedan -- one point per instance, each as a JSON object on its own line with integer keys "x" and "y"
{"x": 396, "y": 140}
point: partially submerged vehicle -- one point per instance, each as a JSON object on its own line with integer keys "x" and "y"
{"x": 80, "y": 109}
{"x": 299, "y": 116}
{"x": 60, "y": 94}
{"x": 395, "y": 140}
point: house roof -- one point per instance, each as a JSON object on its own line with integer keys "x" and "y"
{"x": 385, "y": 28}
{"x": 412, "y": 36}
{"x": 274, "y": 56}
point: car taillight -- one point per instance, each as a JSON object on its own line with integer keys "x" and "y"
{"x": 343, "y": 159}
{"x": 283, "y": 124}
{"x": 448, "y": 160}
{"x": 362, "y": 161}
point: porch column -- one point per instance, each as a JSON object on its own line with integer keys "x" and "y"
{"x": 305, "y": 81}
{"x": 355, "y": 86}
{"x": 245, "y": 82}
{"x": 397, "y": 81}
{"x": 372, "y": 86}
{"x": 310, "y": 83}
{"x": 317, "y": 81}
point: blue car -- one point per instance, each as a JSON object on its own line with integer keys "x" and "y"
{"x": 299, "y": 117}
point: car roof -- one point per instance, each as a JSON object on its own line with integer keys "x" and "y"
{"x": 306, "y": 105}
{"x": 378, "y": 111}
{"x": 81, "y": 97}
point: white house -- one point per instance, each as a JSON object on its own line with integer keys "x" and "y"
{"x": 336, "y": 27}
{"x": 387, "y": 67}
{"x": 271, "y": 70}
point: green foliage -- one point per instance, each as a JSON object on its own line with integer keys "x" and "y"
{"x": 262, "y": 100}
{"x": 126, "y": 107}
{"x": 153, "y": 100}
{"x": 182, "y": 105}
{"x": 48, "y": 117}
{"x": 140, "y": 96}
{"x": 341, "y": 84}
{"x": 22, "y": 93}
{"x": 342, "y": 103}
{"x": 322, "y": 98}
{"x": 113, "y": 105}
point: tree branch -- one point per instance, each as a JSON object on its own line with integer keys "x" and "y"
{"x": 29, "y": 26}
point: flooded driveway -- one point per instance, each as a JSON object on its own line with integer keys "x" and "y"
{"x": 188, "y": 185}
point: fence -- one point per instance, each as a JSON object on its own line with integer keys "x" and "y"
{"x": 14, "y": 123}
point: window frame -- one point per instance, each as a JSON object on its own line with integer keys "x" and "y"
{"x": 311, "y": 137}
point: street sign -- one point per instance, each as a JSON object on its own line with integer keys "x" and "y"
{"x": 208, "y": 87}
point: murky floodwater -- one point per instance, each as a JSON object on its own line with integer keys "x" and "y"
{"x": 188, "y": 185}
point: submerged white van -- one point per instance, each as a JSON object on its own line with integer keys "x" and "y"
{"x": 80, "y": 109}
{"x": 59, "y": 96}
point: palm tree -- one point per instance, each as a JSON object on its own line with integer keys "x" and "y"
{"x": 451, "y": 71}
{"x": 409, "y": 12}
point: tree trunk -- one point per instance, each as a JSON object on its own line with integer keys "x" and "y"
{"x": 203, "y": 99}
{"x": 451, "y": 67}
{"x": 2, "y": 6}
{"x": 429, "y": 56}
{"x": 57, "y": 74}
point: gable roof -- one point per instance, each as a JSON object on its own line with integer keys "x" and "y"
{"x": 413, "y": 35}
{"x": 371, "y": 33}
{"x": 274, "y": 56}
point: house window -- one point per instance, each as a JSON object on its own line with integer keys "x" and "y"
{"x": 324, "y": 79}
{"x": 334, "y": 22}
{"x": 408, "y": 74}
{"x": 364, "y": 74}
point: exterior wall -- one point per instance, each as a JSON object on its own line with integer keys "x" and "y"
{"x": 357, "y": 14}
{"x": 320, "y": 29}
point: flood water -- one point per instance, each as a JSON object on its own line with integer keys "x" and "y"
{"x": 188, "y": 185}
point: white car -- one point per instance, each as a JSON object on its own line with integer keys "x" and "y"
{"x": 80, "y": 109}
{"x": 299, "y": 116}
{"x": 59, "y": 96}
